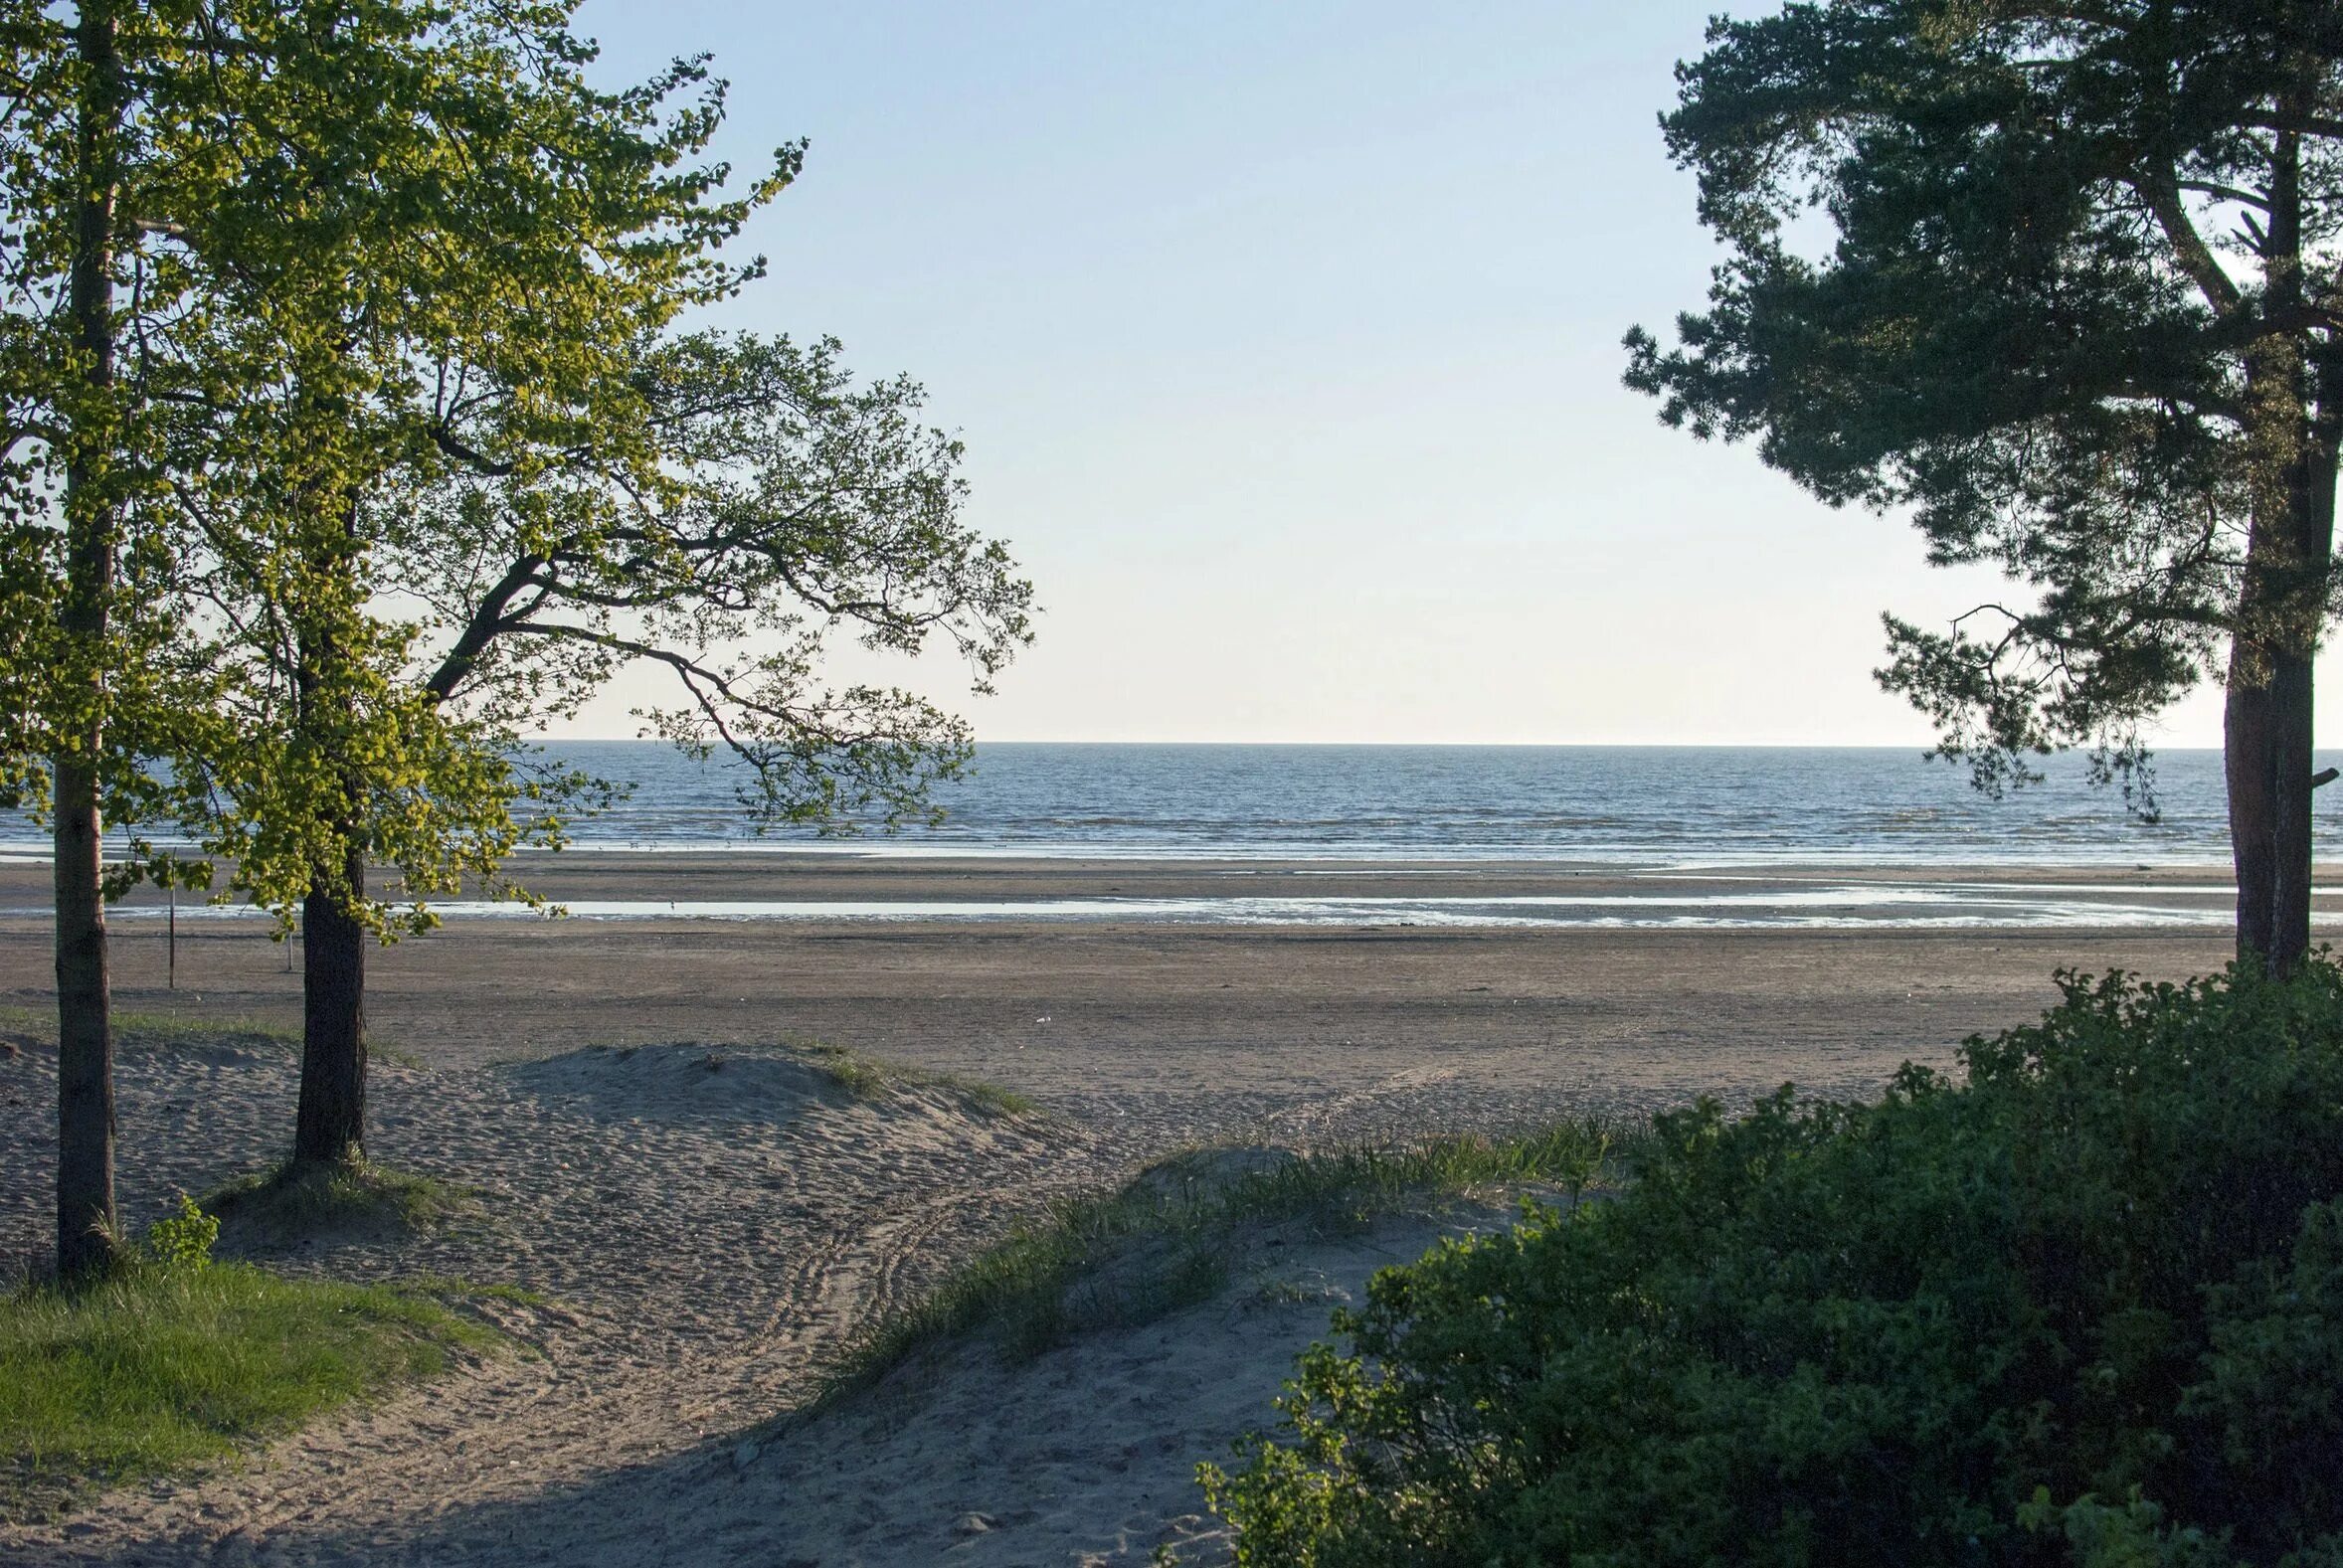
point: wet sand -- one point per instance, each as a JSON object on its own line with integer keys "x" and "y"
{"x": 1191, "y": 1029}
{"x": 854, "y": 876}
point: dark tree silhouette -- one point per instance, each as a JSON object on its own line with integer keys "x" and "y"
{"x": 2078, "y": 313}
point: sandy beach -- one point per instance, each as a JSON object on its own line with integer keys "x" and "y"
{"x": 1179, "y": 1031}
{"x": 1096, "y": 742}
{"x": 788, "y": 1216}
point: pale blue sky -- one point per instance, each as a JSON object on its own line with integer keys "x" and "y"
{"x": 1285, "y": 341}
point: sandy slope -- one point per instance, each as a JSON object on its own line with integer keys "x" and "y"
{"x": 789, "y": 1213}
{"x": 1086, "y": 1454}
{"x": 636, "y": 1431}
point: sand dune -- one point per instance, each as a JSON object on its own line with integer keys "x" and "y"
{"x": 789, "y": 1214}
{"x": 707, "y": 1225}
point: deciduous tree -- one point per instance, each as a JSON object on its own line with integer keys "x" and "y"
{"x": 503, "y": 215}
{"x": 722, "y": 508}
{"x": 234, "y": 236}
{"x": 95, "y": 676}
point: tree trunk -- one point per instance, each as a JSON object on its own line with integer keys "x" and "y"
{"x": 85, "y": 1219}
{"x": 331, "y": 1125}
{"x": 84, "y": 1035}
{"x": 2281, "y": 605}
{"x": 2267, "y": 736}
{"x": 2290, "y": 798}
{"x": 2245, "y": 765}
{"x": 2298, "y": 783}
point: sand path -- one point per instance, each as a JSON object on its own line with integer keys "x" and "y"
{"x": 789, "y": 1214}
{"x": 635, "y": 1428}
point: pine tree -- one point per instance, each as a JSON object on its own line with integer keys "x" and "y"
{"x": 2078, "y": 314}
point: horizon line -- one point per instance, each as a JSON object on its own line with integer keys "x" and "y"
{"x": 1647, "y": 745}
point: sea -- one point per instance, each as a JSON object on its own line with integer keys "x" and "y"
{"x": 1681, "y": 837}
{"x": 1631, "y": 805}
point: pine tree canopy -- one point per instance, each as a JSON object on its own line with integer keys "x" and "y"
{"x": 2060, "y": 282}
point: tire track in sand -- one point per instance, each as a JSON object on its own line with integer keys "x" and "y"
{"x": 635, "y": 1365}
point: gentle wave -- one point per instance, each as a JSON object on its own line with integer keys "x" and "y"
{"x": 1626, "y": 807}
{"x": 1634, "y": 807}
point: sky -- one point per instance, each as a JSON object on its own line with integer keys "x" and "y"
{"x": 1284, "y": 339}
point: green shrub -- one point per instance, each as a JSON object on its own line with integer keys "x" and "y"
{"x": 2086, "y": 1309}
{"x": 184, "y": 1240}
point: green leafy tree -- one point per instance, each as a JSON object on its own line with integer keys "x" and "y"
{"x": 755, "y": 505}
{"x": 237, "y": 233}
{"x": 96, "y": 676}
{"x": 79, "y": 187}
{"x": 2076, "y": 312}
{"x": 503, "y": 215}
{"x": 481, "y": 475}
{"x": 783, "y": 506}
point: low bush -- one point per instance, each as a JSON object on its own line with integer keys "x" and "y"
{"x": 2086, "y": 1308}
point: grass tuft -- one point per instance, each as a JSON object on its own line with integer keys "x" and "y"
{"x": 292, "y": 1202}
{"x": 164, "y": 1369}
{"x": 868, "y": 1078}
{"x": 1162, "y": 1242}
{"x": 850, "y": 1071}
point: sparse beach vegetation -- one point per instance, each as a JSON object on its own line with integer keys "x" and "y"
{"x": 1165, "y": 1239}
{"x": 136, "y": 1031}
{"x": 858, "y": 1075}
{"x": 867, "y": 1077}
{"x": 174, "y": 1362}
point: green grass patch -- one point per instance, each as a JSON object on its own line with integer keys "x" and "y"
{"x": 991, "y": 1098}
{"x": 1162, "y": 1242}
{"x": 168, "y": 1368}
{"x": 456, "y": 1291}
{"x": 293, "y": 1202}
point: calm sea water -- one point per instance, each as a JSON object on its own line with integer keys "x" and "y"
{"x": 1663, "y": 805}
{"x": 1710, "y": 837}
